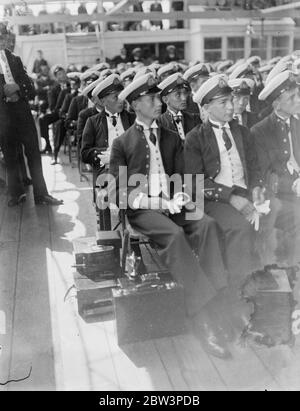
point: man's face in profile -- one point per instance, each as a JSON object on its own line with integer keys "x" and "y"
{"x": 3, "y": 41}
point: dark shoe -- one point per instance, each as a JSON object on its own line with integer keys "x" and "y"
{"x": 210, "y": 340}
{"x": 48, "y": 200}
{"x": 46, "y": 151}
{"x": 54, "y": 162}
{"x": 14, "y": 201}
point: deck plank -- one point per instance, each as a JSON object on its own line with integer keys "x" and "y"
{"x": 245, "y": 371}
{"x": 32, "y": 339}
{"x": 10, "y": 219}
{"x": 196, "y": 367}
{"x": 139, "y": 366}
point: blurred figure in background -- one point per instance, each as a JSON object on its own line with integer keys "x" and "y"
{"x": 38, "y": 62}
{"x": 156, "y": 7}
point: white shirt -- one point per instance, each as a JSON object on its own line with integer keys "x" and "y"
{"x": 157, "y": 177}
{"x": 239, "y": 118}
{"x": 113, "y": 132}
{"x": 232, "y": 171}
{"x": 178, "y": 125}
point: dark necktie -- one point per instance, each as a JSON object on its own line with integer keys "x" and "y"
{"x": 152, "y": 136}
{"x": 226, "y": 138}
{"x": 114, "y": 120}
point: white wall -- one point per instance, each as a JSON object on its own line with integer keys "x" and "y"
{"x": 53, "y": 46}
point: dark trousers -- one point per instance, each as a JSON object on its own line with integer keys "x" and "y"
{"x": 45, "y": 122}
{"x": 19, "y": 128}
{"x": 191, "y": 251}
{"x": 288, "y": 225}
{"x": 239, "y": 238}
{"x": 59, "y": 135}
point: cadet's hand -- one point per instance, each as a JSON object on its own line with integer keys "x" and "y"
{"x": 242, "y": 204}
{"x": 258, "y": 195}
{"x": 10, "y": 89}
{"x": 296, "y": 187}
{"x": 104, "y": 157}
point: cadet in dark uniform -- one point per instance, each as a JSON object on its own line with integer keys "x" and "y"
{"x": 174, "y": 93}
{"x": 153, "y": 153}
{"x": 196, "y": 76}
{"x": 18, "y": 127}
{"x": 221, "y": 150}
{"x": 101, "y": 130}
{"x": 60, "y": 126}
{"x": 277, "y": 140}
{"x": 241, "y": 97}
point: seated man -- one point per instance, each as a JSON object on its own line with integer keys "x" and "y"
{"x": 241, "y": 97}
{"x": 101, "y": 129}
{"x": 196, "y": 76}
{"x": 174, "y": 93}
{"x": 55, "y": 98}
{"x": 221, "y": 150}
{"x": 189, "y": 248}
{"x": 277, "y": 142}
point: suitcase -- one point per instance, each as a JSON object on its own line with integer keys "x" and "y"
{"x": 94, "y": 260}
{"x": 149, "y": 309}
{"x": 271, "y": 292}
{"x": 94, "y": 298}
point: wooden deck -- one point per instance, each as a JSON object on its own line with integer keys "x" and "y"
{"x": 44, "y": 332}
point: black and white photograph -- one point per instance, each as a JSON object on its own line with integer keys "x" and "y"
{"x": 149, "y": 198}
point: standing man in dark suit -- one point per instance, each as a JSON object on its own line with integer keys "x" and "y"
{"x": 53, "y": 98}
{"x": 190, "y": 249}
{"x": 277, "y": 141}
{"x": 101, "y": 130}
{"x": 221, "y": 150}
{"x": 174, "y": 93}
{"x": 241, "y": 97}
{"x": 18, "y": 127}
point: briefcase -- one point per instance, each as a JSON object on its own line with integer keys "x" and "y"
{"x": 94, "y": 260}
{"x": 94, "y": 298}
{"x": 150, "y": 309}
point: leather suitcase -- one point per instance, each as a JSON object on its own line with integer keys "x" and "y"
{"x": 93, "y": 298}
{"x": 94, "y": 260}
{"x": 146, "y": 311}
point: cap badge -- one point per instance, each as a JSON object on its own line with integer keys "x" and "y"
{"x": 151, "y": 81}
{"x": 222, "y": 83}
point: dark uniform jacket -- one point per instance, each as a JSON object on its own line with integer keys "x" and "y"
{"x": 273, "y": 150}
{"x": 53, "y": 96}
{"x": 189, "y": 121}
{"x": 192, "y": 107}
{"x": 66, "y": 104}
{"x": 61, "y": 97}
{"x": 202, "y": 156}
{"x": 78, "y": 104}
{"x": 82, "y": 119}
{"x": 95, "y": 134}
{"x": 132, "y": 151}
{"x": 249, "y": 119}
{"x": 27, "y": 90}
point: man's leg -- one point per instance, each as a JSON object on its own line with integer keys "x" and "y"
{"x": 45, "y": 122}
{"x": 9, "y": 148}
{"x": 177, "y": 255}
{"x": 239, "y": 239}
{"x": 204, "y": 236}
{"x": 59, "y": 136}
{"x": 27, "y": 135}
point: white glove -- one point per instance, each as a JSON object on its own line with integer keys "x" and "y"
{"x": 296, "y": 187}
